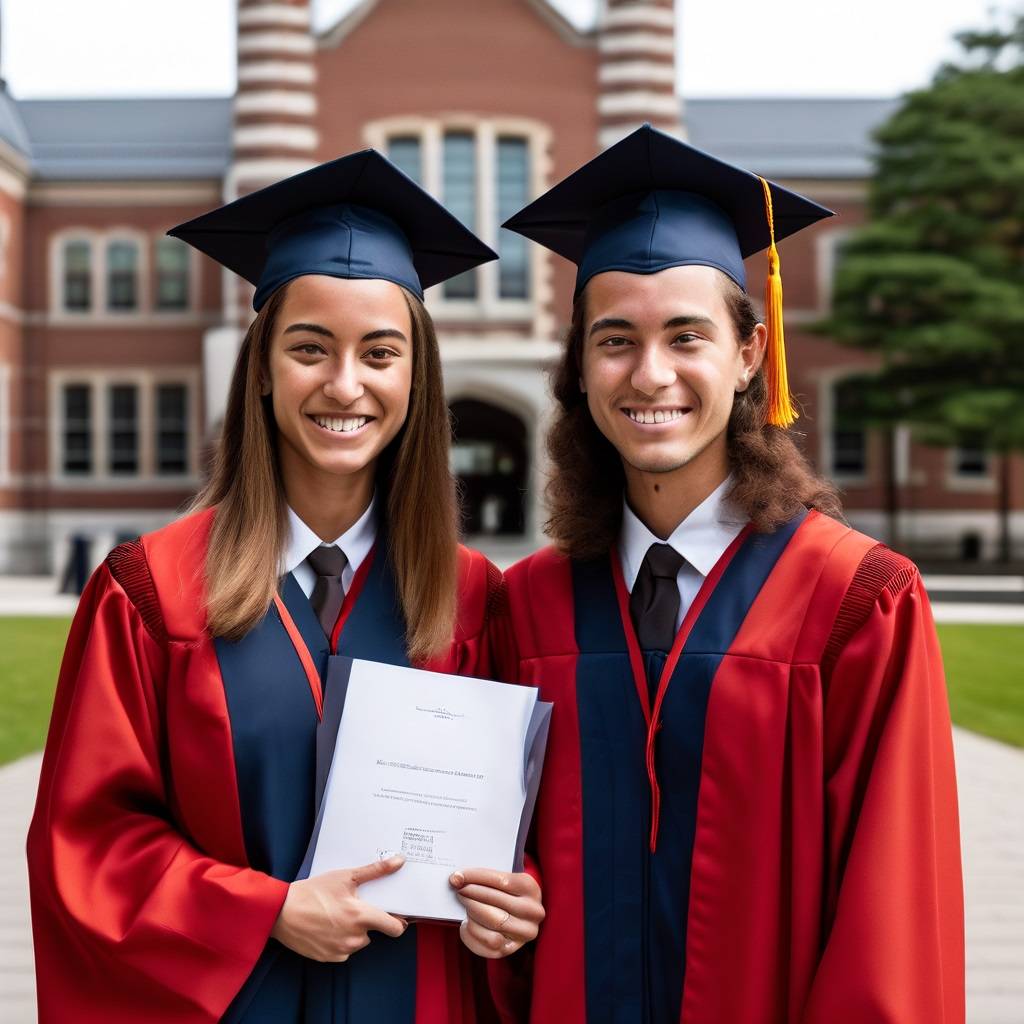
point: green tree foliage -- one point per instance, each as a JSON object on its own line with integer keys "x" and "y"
{"x": 934, "y": 281}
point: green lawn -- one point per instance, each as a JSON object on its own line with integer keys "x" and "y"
{"x": 985, "y": 672}
{"x": 984, "y": 666}
{"x": 30, "y": 650}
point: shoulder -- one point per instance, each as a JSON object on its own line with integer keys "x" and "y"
{"x": 542, "y": 570}
{"x": 163, "y": 575}
{"x": 479, "y": 590}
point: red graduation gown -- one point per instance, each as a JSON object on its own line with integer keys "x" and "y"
{"x": 145, "y": 905}
{"x": 807, "y": 862}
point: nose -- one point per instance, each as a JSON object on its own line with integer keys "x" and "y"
{"x": 345, "y": 384}
{"x": 653, "y": 370}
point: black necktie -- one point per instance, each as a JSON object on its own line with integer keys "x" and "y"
{"x": 654, "y": 602}
{"x": 328, "y": 593}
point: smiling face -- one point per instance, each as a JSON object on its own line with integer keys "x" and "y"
{"x": 660, "y": 365}
{"x": 339, "y": 374}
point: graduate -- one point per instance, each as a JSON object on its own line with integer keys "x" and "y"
{"x": 177, "y": 792}
{"x": 748, "y": 812}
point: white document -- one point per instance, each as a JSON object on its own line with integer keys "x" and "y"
{"x": 432, "y": 767}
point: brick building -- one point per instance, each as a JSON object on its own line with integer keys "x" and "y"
{"x": 116, "y": 342}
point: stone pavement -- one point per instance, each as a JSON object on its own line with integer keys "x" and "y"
{"x": 991, "y": 779}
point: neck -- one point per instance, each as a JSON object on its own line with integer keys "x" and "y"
{"x": 663, "y": 500}
{"x": 327, "y": 503}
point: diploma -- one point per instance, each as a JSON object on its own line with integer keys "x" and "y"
{"x": 441, "y": 769}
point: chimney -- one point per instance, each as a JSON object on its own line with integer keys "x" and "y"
{"x": 637, "y": 71}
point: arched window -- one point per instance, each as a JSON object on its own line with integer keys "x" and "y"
{"x": 77, "y": 285}
{"x": 172, "y": 275}
{"x": 122, "y": 275}
{"x": 489, "y": 458}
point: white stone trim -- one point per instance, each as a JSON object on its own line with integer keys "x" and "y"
{"x": 274, "y": 15}
{"x": 637, "y": 71}
{"x": 275, "y": 101}
{"x": 616, "y": 133}
{"x": 127, "y": 193}
{"x": 261, "y": 171}
{"x": 274, "y": 42}
{"x": 276, "y": 136}
{"x": 275, "y": 71}
{"x": 636, "y": 42}
{"x": 653, "y": 17}
{"x": 146, "y": 379}
{"x": 640, "y": 102}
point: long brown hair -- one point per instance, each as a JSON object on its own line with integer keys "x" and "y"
{"x": 772, "y": 479}
{"x": 414, "y": 485}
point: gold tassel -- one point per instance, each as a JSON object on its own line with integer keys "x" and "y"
{"x": 780, "y": 404}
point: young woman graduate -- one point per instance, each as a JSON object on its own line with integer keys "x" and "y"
{"x": 748, "y": 812}
{"x": 177, "y": 791}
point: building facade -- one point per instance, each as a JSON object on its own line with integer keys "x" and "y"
{"x": 116, "y": 343}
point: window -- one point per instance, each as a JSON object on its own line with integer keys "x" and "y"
{"x": 512, "y": 188}
{"x": 971, "y": 458}
{"x": 77, "y": 276}
{"x": 459, "y": 196}
{"x": 171, "y": 429}
{"x": 122, "y": 275}
{"x": 405, "y": 152}
{"x": 172, "y": 273}
{"x": 77, "y": 429}
{"x": 123, "y": 422}
{"x": 849, "y": 438}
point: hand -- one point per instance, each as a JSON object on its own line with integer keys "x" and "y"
{"x": 504, "y": 910}
{"x": 324, "y": 919}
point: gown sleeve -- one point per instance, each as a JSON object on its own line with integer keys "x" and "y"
{"x": 894, "y": 946}
{"x": 131, "y": 921}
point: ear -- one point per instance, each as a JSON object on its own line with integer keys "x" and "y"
{"x": 265, "y": 388}
{"x": 583, "y": 387}
{"x": 751, "y": 356}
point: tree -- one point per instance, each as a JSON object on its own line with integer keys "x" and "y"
{"x": 934, "y": 281}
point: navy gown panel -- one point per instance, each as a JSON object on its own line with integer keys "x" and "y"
{"x": 274, "y": 726}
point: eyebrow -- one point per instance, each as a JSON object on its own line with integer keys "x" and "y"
{"x": 686, "y": 320}
{"x": 384, "y": 332}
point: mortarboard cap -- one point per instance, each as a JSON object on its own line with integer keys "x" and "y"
{"x": 651, "y": 202}
{"x": 357, "y": 216}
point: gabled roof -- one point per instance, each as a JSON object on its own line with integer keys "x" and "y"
{"x": 12, "y": 127}
{"x": 790, "y": 138}
{"x": 118, "y": 139}
{"x": 334, "y": 34}
{"x": 185, "y": 139}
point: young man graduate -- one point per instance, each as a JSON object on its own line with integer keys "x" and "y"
{"x": 749, "y": 808}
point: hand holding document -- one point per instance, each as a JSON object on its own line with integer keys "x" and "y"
{"x": 441, "y": 769}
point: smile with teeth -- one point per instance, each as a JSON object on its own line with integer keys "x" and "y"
{"x": 655, "y": 415}
{"x": 341, "y": 424}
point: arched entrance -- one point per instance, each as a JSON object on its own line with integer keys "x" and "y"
{"x": 489, "y": 458}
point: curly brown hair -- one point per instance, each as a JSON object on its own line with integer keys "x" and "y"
{"x": 772, "y": 479}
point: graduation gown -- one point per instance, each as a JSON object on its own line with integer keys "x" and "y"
{"x": 777, "y": 839}
{"x": 176, "y": 802}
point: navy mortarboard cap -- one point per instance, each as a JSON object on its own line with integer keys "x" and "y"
{"x": 357, "y": 216}
{"x": 651, "y": 202}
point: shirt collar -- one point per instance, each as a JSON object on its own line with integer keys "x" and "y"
{"x": 355, "y": 542}
{"x": 701, "y": 538}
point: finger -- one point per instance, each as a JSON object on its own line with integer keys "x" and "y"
{"x": 500, "y": 922}
{"x": 378, "y": 869}
{"x": 374, "y": 919}
{"x": 486, "y": 942}
{"x": 521, "y": 906}
{"x": 515, "y": 883}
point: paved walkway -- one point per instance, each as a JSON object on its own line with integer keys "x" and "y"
{"x": 991, "y": 783}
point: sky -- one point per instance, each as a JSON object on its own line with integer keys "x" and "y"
{"x": 76, "y": 48}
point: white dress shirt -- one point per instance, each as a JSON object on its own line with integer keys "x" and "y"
{"x": 355, "y": 542}
{"x": 701, "y": 538}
